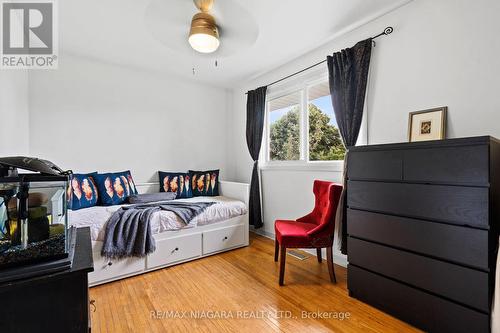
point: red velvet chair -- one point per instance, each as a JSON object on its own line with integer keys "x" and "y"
{"x": 314, "y": 230}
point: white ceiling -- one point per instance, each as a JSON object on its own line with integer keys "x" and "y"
{"x": 256, "y": 35}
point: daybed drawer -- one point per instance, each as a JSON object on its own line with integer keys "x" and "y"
{"x": 175, "y": 249}
{"x": 224, "y": 238}
{"x": 428, "y": 312}
{"x": 453, "y": 204}
{"x": 454, "y": 243}
{"x": 438, "y": 277}
{"x": 107, "y": 269}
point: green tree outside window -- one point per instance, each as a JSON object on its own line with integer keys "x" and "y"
{"x": 325, "y": 143}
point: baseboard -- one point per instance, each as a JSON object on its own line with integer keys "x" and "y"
{"x": 338, "y": 259}
{"x": 262, "y": 232}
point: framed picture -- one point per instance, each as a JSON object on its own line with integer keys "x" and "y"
{"x": 427, "y": 124}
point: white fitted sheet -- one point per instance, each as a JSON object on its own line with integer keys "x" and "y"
{"x": 161, "y": 221}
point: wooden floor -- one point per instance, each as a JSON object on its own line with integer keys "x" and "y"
{"x": 236, "y": 291}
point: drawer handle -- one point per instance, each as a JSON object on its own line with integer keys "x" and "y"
{"x": 92, "y": 304}
{"x": 174, "y": 250}
{"x": 225, "y": 238}
{"x": 109, "y": 263}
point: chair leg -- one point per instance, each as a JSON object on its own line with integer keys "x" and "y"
{"x": 276, "y": 250}
{"x": 318, "y": 254}
{"x": 282, "y": 265}
{"x": 329, "y": 259}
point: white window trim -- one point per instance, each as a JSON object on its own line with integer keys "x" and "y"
{"x": 303, "y": 164}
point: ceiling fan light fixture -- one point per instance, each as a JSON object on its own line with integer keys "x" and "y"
{"x": 204, "y": 34}
{"x": 204, "y": 43}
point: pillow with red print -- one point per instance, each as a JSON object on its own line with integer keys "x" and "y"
{"x": 176, "y": 182}
{"x": 82, "y": 191}
{"x": 114, "y": 188}
{"x": 128, "y": 181}
{"x": 205, "y": 183}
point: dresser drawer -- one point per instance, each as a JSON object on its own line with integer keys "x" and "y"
{"x": 462, "y": 165}
{"x": 423, "y": 310}
{"x": 105, "y": 269}
{"x": 175, "y": 249}
{"x": 223, "y": 238}
{"x": 454, "y": 243}
{"x": 380, "y": 165}
{"x": 464, "y": 285}
{"x": 452, "y": 204}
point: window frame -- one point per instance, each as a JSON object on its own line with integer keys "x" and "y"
{"x": 301, "y": 85}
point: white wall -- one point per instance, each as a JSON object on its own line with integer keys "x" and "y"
{"x": 89, "y": 116}
{"x": 441, "y": 53}
{"x": 14, "y": 124}
{"x": 93, "y": 116}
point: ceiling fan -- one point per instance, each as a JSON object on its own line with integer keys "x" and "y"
{"x": 204, "y": 33}
{"x": 234, "y": 31}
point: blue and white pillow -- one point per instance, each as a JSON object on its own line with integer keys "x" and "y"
{"x": 176, "y": 182}
{"x": 114, "y": 188}
{"x": 205, "y": 183}
{"x": 128, "y": 181}
{"x": 82, "y": 191}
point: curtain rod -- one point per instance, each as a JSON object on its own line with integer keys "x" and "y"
{"x": 387, "y": 31}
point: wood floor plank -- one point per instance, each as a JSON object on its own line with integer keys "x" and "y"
{"x": 236, "y": 291}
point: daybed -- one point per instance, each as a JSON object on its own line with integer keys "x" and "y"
{"x": 221, "y": 227}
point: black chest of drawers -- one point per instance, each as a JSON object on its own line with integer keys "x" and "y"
{"x": 423, "y": 222}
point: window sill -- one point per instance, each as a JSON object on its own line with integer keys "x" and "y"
{"x": 336, "y": 166}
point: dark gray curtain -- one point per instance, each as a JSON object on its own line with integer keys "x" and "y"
{"x": 348, "y": 76}
{"x": 256, "y": 107}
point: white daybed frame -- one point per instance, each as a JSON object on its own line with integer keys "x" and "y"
{"x": 175, "y": 247}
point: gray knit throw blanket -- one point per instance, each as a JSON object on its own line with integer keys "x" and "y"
{"x": 128, "y": 231}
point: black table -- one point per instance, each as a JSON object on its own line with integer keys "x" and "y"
{"x": 57, "y": 302}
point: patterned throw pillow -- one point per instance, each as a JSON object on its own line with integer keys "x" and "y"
{"x": 128, "y": 181}
{"x": 114, "y": 188}
{"x": 82, "y": 191}
{"x": 176, "y": 182}
{"x": 205, "y": 183}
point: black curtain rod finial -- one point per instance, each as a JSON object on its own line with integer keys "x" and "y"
{"x": 387, "y": 31}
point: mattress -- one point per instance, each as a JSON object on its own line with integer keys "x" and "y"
{"x": 161, "y": 221}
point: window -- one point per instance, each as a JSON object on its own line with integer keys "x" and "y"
{"x": 325, "y": 143}
{"x": 301, "y": 127}
{"x": 284, "y": 127}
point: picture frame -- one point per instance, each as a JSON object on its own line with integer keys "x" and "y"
{"x": 427, "y": 125}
